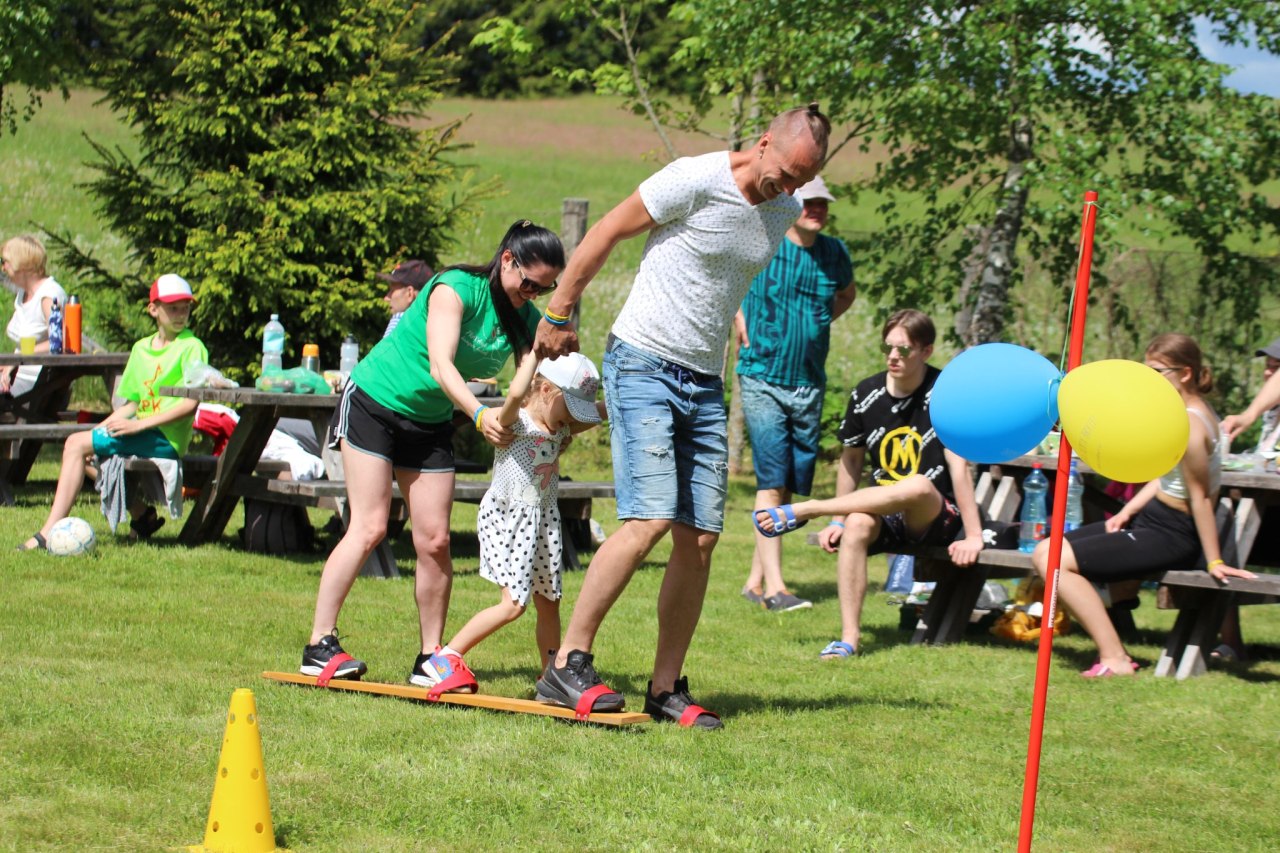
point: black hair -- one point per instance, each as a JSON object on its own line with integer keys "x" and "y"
{"x": 529, "y": 244}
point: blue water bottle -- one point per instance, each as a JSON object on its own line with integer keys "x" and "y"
{"x": 1075, "y": 499}
{"x": 1035, "y": 513}
{"x": 55, "y": 329}
{"x": 273, "y": 346}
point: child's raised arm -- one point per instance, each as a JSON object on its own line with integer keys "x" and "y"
{"x": 520, "y": 385}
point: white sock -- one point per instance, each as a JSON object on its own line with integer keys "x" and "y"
{"x": 448, "y": 650}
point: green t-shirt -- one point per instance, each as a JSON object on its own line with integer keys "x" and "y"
{"x": 150, "y": 368}
{"x": 397, "y": 371}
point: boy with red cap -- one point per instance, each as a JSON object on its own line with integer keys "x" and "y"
{"x": 148, "y": 424}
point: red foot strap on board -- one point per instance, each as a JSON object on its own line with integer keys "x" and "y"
{"x": 322, "y": 680}
{"x": 589, "y": 696}
{"x": 693, "y": 712}
{"x": 461, "y": 677}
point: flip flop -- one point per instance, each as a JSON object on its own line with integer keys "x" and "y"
{"x": 1100, "y": 670}
{"x": 837, "y": 649}
{"x": 783, "y": 518}
{"x": 40, "y": 545}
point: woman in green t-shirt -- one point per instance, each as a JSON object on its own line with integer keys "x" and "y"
{"x": 395, "y": 420}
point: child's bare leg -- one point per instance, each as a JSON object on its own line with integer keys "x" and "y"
{"x": 486, "y": 622}
{"x": 548, "y": 629}
{"x": 915, "y": 497}
{"x": 1078, "y": 595}
{"x": 70, "y": 479}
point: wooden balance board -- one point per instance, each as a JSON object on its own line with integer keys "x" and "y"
{"x": 471, "y": 700}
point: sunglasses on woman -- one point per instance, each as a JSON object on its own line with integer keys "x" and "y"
{"x": 529, "y": 285}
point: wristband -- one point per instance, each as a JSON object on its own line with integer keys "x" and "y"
{"x": 1217, "y": 562}
{"x": 834, "y": 523}
{"x": 477, "y": 416}
{"x": 555, "y": 319}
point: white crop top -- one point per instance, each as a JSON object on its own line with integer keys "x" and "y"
{"x": 1172, "y": 483}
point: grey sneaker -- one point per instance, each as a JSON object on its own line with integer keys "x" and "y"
{"x": 753, "y": 596}
{"x": 784, "y": 602}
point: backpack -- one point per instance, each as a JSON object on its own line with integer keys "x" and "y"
{"x": 275, "y": 528}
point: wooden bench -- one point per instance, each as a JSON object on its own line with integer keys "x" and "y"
{"x": 197, "y": 468}
{"x": 21, "y": 442}
{"x": 574, "y": 498}
{"x": 1201, "y": 601}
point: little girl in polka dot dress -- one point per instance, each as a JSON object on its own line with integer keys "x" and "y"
{"x": 519, "y": 521}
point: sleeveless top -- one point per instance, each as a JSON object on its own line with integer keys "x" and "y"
{"x": 1172, "y": 483}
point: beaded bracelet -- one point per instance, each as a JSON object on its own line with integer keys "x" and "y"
{"x": 554, "y": 319}
{"x": 1217, "y": 562}
{"x": 834, "y": 523}
{"x": 477, "y": 416}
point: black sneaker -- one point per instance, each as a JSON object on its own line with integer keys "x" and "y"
{"x": 565, "y": 686}
{"x": 315, "y": 658}
{"x": 146, "y": 524}
{"x": 678, "y": 706}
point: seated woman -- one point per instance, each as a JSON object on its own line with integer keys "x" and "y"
{"x": 24, "y": 260}
{"x": 1168, "y": 524}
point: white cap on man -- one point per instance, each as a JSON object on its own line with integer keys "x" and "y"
{"x": 577, "y": 377}
{"x": 815, "y": 189}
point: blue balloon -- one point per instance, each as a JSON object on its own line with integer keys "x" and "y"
{"x": 994, "y": 402}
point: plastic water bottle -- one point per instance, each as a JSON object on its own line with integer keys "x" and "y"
{"x": 348, "y": 355}
{"x": 273, "y": 345}
{"x": 55, "y": 329}
{"x": 1035, "y": 513}
{"x": 1075, "y": 499}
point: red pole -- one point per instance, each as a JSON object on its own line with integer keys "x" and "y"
{"x": 1074, "y": 353}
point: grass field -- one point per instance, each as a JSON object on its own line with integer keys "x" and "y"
{"x": 122, "y": 663}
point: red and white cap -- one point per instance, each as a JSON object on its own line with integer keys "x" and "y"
{"x": 577, "y": 377}
{"x": 170, "y": 288}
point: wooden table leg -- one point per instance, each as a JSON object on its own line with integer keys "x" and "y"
{"x": 218, "y": 497}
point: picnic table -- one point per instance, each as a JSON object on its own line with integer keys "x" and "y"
{"x": 32, "y": 417}
{"x": 234, "y": 476}
{"x": 1200, "y": 600}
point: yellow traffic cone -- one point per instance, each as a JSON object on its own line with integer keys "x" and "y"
{"x": 240, "y": 813}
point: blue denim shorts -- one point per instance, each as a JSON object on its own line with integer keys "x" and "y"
{"x": 784, "y": 424}
{"x": 667, "y": 428}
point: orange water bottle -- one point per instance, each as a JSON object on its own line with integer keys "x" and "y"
{"x": 71, "y": 326}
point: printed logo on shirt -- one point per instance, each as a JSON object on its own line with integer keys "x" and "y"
{"x": 150, "y": 404}
{"x": 899, "y": 455}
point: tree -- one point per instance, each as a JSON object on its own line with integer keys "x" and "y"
{"x": 1001, "y": 113}
{"x": 34, "y": 53}
{"x": 283, "y": 162}
{"x": 556, "y": 36}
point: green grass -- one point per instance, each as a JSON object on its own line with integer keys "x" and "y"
{"x": 122, "y": 665}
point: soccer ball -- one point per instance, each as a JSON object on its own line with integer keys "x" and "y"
{"x": 71, "y": 536}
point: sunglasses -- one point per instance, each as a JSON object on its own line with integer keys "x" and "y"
{"x": 902, "y": 351}
{"x": 529, "y": 285}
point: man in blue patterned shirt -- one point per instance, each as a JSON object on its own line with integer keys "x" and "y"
{"x": 784, "y": 332}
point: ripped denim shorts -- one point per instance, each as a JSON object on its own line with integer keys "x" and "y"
{"x": 667, "y": 429}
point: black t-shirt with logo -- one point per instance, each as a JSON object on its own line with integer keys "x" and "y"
{"x": 896, "y": 432}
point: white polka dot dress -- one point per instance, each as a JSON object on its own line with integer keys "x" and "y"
{"x": 519, "y": 522}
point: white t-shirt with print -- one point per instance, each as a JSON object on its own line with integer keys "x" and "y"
{"x": 698, "y": 263}
{"x": 28, "y": 320}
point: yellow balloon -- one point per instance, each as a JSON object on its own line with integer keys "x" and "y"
{"x": 1124, "y": 419}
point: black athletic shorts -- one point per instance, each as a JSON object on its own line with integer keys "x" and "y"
{"x": 370, "y": 427}
{"x": 1160, "y": 539}
{"x": 893, "y": 530}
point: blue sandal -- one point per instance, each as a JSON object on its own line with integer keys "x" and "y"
{"x": 783, "y": 518}
{"x": 838, "y": 649}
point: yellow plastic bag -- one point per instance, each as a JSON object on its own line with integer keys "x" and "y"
{"x": 1019, "y": 625}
